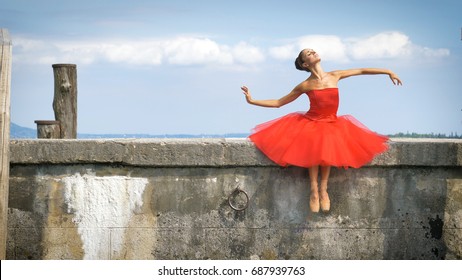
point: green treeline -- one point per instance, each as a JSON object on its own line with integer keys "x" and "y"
{"x": 426, "y": 135}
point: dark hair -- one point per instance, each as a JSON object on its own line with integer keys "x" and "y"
{"x": 299, "y": 63}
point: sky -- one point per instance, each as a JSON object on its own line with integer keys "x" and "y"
{"x": 176, "y": 66}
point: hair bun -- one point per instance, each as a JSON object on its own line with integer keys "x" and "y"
{"x": 299, "y": 63}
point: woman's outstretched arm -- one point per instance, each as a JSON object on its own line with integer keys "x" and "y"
{"x": 342, "y": 74}
{"x": 272, "y": 103}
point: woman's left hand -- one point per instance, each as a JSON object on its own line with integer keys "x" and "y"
{"x": 395, "y": 79}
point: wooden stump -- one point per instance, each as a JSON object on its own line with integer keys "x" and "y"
{"x": 48, "y": 129}
{"x": 65, "y": 99}
{"x": 5, "y": 86}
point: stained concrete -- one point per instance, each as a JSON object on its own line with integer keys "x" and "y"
{"x": 406, "y": 204}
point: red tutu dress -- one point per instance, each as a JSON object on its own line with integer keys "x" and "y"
{"x": 319, "y": 136}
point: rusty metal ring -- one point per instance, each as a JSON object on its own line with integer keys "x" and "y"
{"x": 238, "y": 191}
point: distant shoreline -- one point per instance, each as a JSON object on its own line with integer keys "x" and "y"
{"x": 19, "y": 132}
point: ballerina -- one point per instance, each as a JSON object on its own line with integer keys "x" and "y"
{"x": 318, "y": 139}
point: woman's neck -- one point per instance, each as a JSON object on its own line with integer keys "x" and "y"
{"x": 317, "y": 73}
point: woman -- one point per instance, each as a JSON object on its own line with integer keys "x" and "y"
{"x": 319, "y": 138}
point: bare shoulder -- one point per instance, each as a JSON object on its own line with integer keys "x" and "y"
{"x": 340, "y": 73}
{"x": 302, "y": 87}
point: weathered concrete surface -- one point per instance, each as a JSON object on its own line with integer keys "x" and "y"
{"x": 168, "y": 199}
{"x": 209, "y": 152}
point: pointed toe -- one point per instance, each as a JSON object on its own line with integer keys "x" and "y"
{"x": 314, "y": 204}
{"x": 325, "y": 204}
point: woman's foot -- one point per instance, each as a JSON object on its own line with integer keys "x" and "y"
{"x": 314, "y": 203}
{"x": 324, "y": 201}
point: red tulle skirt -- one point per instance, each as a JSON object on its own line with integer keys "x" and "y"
{"x": 297, "y": 140}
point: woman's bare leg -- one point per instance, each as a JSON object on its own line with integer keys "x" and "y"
{"x": 314, "y": 194}
{"x": 323, "y": 195}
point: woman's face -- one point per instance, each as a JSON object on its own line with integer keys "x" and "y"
{"x": 310, "y": 57}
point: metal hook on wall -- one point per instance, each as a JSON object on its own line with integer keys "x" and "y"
{"x": 237, "y": 191}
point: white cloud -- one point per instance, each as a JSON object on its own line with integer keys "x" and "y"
{"x": 180, "y": 51}
{"x": 428, "y": 52}
{"x": 138, "y": 53}
{"x": 187, "y": 51}
{"x": 329, "y": 47}
{"x": 284, "y": 52}
{"x": 383, "y": 45}
{"x": 247, "y": 54}
{"x": 386, "y": 45}
{"x": 194, "y": 50}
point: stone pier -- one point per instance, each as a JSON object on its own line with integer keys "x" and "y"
{"x": 168, "y": 199}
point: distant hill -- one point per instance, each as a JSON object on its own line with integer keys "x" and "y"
{"x": 19, "y": 132}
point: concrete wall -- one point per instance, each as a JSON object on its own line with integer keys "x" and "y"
{"x": 168, "y": 199}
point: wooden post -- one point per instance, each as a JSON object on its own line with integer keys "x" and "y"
{"x": 65, "y": 99}
{"x": 48, "y": 129}
{"x": 5, "y": 86}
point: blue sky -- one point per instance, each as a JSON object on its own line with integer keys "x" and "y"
{"x": 168, "y": 67}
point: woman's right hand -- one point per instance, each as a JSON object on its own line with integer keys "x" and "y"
{"x": 246, "y": 92}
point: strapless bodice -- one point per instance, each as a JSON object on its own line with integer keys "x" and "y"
{"x": 323, "y": 104}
